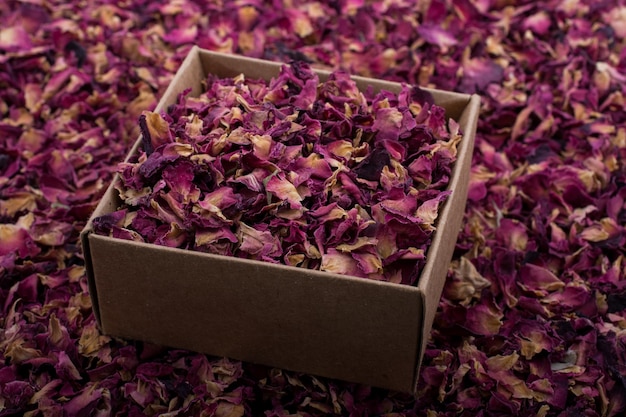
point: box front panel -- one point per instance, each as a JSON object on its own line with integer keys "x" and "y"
{"x": 346, "y": 328}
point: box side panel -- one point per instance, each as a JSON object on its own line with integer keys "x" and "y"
{"x": 453, "y": 103}
{"x": 191, "y": 74}
{"x": 435, "y": 272}
{"x": 226, "y": 65}
{"x": 339, "y": 327}
{"x": 84, "y": 242}
{"x": 109, "y": 202}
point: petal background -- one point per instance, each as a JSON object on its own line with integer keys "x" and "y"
{"x": 539, "y": 326}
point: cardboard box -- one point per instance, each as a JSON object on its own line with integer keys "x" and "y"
{"x": 320, "y": 323}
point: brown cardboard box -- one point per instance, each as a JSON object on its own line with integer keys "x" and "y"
{"x": 320, "y": 323}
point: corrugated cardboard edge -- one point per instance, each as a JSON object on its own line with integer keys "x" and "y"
{"x": 430, "y": 286}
